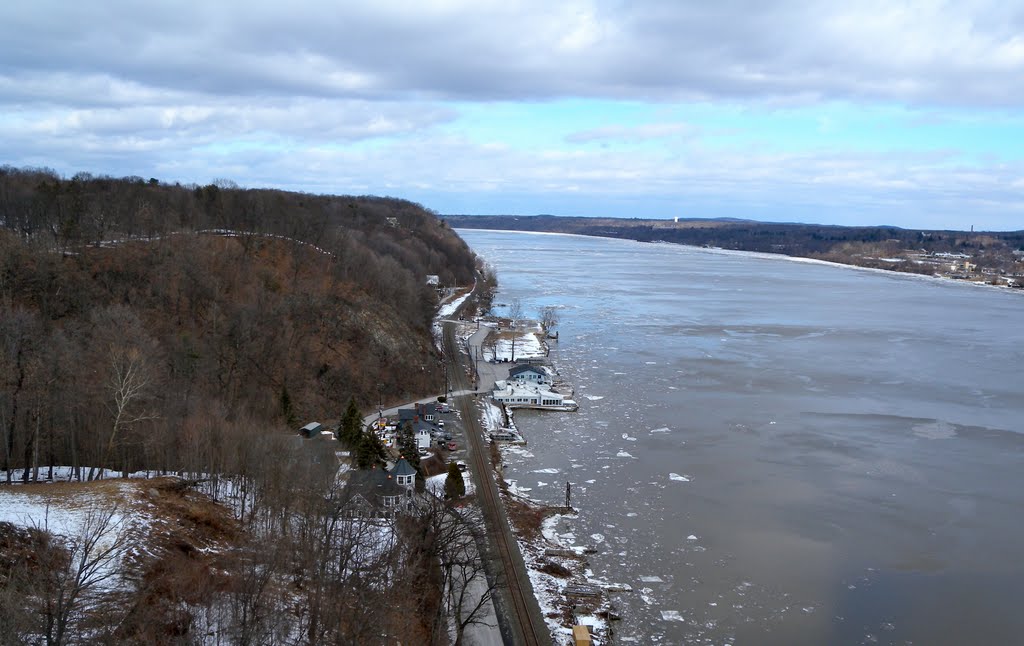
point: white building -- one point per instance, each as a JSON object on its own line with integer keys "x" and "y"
{"x": 422, "y": 439}
{"x": 512, "y": 393}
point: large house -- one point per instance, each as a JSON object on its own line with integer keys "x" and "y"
{"x": 419, "y": 412}
{"x": 423, "y": 419}
{"x": 530, "y": 374}
{"x": 381, "y": 492}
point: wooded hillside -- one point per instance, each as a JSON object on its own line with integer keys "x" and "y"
{"x": 135, "y": 316}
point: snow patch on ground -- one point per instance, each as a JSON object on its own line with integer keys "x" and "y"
{"x": 528, "y": 346}
{"x": 435, "y": 484}
{"x": 70, "y": 515}
{"x": 450, "y": 307}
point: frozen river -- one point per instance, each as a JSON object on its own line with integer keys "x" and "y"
{"x": 780, "y": 452}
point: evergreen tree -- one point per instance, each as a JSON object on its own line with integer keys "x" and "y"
{"x": 351, "y": 424}
{"x": 369, "y": 450}
{"x": 454, "y": 484}
{"x": 286, "y": 407}
{"x": 407, "y": 445}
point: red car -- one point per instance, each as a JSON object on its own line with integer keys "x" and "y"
{"x": 451, "y": 446}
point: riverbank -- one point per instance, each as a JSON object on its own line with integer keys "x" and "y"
{"x": 559, "y": 570}
{"x": 803, "y": 424}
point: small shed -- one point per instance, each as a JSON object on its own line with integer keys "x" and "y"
{"x": 311, "y": 430}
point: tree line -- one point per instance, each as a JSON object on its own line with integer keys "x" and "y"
{"x": 136, "y": 315}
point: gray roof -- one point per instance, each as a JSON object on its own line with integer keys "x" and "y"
{"x": 521, "y": 368}
{"x": 373, "y": 483}
{"x": 403, "y": 468}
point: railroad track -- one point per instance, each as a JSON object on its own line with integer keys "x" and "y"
{"x": 525, "y": 621}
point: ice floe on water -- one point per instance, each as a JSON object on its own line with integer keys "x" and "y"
{"x": 545, "y": 471}
{"x": 691, "y": 537}
{"x": 663, "y": 429}
{"x": 628, "y": 438}
{"x": 597, "y": 538}
{"x": 623, "y": 454}
{"x": 671, "y": 615}
{"x": 652, "y": 579}
{"x": 594, "y": 398}
{"x": 937, "y": 430}
{"x": 516, "y": 490}
{"x": 678, "y": 478}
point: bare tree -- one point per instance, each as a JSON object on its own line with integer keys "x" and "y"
{"x": 73, "y": 584}
{"x": 453, "y": 543}
{"x": 548, "y": 317}
{"x": 515, "y": 312}
{"x": 129, "y": 380}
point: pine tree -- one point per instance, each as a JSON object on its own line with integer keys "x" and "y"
{"x": 407, "y": 446}
{"x": 369, "y": 450}
{"x": 286, "y": 407}
{"x": 454, "y": 484}
{"x": 351, "y": 424}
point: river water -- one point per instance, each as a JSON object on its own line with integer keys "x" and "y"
{"x": 779, "y": 452}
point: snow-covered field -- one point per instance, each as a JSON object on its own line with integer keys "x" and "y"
{"x": 118, "y": 520}
{"x": 528, "y": 345}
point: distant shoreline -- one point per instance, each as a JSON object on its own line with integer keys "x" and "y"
{"x": 763, "y": 255}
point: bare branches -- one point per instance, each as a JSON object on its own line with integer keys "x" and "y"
{"x": 75, "y": 580}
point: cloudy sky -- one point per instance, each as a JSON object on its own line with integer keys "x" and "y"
{"x": 903, "y": 113}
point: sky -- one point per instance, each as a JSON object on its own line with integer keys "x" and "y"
{"x": 861, "y": 113}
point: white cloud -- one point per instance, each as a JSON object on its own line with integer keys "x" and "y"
{"x": 357, "y": 96}
{"x": 968, "y": 52}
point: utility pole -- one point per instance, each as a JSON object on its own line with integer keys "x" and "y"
{"x": 568, "y": 491}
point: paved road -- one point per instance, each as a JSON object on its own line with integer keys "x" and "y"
{"x": 522, "y": 621}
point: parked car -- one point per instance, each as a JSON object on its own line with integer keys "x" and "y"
{"x": 451, "y": 446}
{"x": 440, "y": 423}
{"x": 461, "y": 465}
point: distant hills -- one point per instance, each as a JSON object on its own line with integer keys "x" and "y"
{"x": 986, "y": 256}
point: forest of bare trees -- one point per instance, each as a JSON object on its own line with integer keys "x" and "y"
{"x": 135, "y": 317}
{"x": 189, "y": 330}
